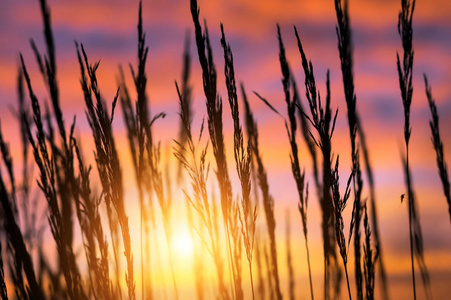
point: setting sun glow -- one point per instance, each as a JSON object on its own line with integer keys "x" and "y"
{"x": 182, "y": 244}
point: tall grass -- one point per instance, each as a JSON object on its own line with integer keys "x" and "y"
{"x": 66, "y": 181}
{"x": 292, "y": 101}
{"x": 3, "y": 291}
{"x": 108, "y": 164}
{"x": 22, "y": 258}
{"x": 46, "y": 160}
{"x": 405, "y": 71}
{"x": 323, "y": 121}
{"x": 136, "y": 123}
{"x": 198, "y": 170}
{"x": 369, "y": 258}
{"x": 438, "y": 145}
{"x": 339, "y": 204}
{"x": 215, "y": 129}
{"x": 345, "y": 50}
{"x": 268, "y": 202}
{"x": 248, "y": 213}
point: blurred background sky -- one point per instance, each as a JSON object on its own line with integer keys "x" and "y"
{"x": 108, "y": 31}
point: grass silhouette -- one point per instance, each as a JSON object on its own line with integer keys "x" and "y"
{"x": 75, "y": 208}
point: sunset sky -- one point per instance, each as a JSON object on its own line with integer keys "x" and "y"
{"x": 108, "y": 31}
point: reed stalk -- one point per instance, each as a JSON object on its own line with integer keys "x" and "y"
{"x": 343, "y": 30}
{"x": 405, "y": 71}
{"x": 438, "y": 145}
{"x": 292, "y": 100}
{"x": 323, "y": 121}
{"x": 108, "y": 164}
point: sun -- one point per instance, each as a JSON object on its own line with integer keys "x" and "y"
{"x": 182, "y": 244}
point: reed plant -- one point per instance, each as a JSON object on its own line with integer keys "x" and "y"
{"x": 323, "y": 121}
{"x": 215, "y": 129}
{"x": 136, "y": 124}
{"x": 220, "y": 228}
{"x": 197, "y": 169}
{"x": 248, "y": 213}
{"x": 108, "y": 164}
{"x": 292, "y": 100}
{"x": 22, "y": 259}
{"x": 3, "y": 290}
{"x": 438, "y": 145}
{"x": 267, "y": 199}
{"x": 345, "y": 49}
{"x": 369, "y": 257}
{"x": 260, "y": 277}
{"x": 405, "y": 71}
{"x": 339, "y": 204}
{"x": 45, "y": 158}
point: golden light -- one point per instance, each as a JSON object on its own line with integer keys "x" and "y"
{"x": 182, "y": 244}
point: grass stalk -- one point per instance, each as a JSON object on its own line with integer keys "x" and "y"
{"x": 268, "y": 200}
{"x": 187, "y": 101}
{"x": 198, "y": 169}
{"x": 92, "y": 229}
{"x": 369, "y": 259}
{"x": 258, "y": 258}
{"x": 108, "y": 164}
{"x": 215, "y": 126}
{"x": 15, "y": 238}
{"x": 248, "y": 212}
{"x": 438, "y": 145}
{"x": 405, "y": 71}
{"x": 291, "y": 285}
{"x": 323, "y": 121}
{"x": 65, "y": 181}
{"x": 292, "y": 101}
{"x": 343, "y": 30}
{"x": 339, "y": 204}
{"x": 374, "y": 216}
{"x": 3, "y": 290}
{"x": 48, "y": 167}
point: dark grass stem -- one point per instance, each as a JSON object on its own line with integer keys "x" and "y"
{"x": 46, "y": 160}
{"x": 339, "y": 204}
{"x": 197, "y": 168}
{"x": 374, "y": 215}
{"x": 222, "y": 227}
{"x": 405, "y": 71}
{"x": 215, "y": 125}
{"x": 343, "y": 30}
{"x": 186, "y": 91}
{"x": 62, "y": 158}
{"x": 15, "y": 239}
{"x": 248, "y": 212}
{"x": 323, "y": 121}
{"x": 3, "y": 290}
{"x": 92, "y": 228}
{"x": 292, "y": 100}
{"x": 369, "y": 258}
{"x": 267, "y": 199}
{"x": 108, "y": 164}
{"x": 141, "y": 143}
{"x": 438, "y": 145}
{"x": 131, "y": 119}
